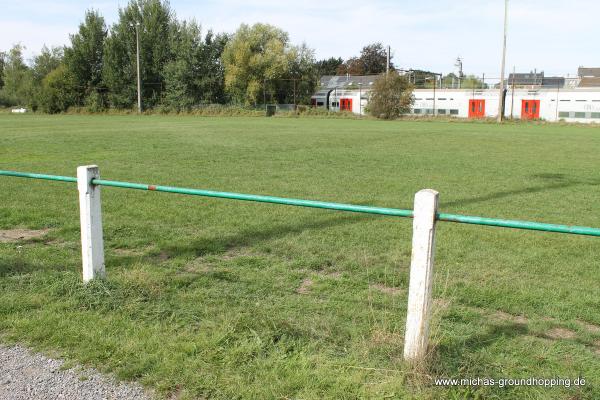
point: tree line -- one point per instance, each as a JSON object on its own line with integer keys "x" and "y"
{"x": 180, "y": 66}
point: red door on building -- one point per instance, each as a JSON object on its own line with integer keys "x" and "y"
{"x": 530, "y": 109}
{"x": 345, "y": 104}
{"x": 476, "y": 108}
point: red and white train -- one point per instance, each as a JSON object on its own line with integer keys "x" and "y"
{"x": 568, "y": 104}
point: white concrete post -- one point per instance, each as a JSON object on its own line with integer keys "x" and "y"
{"x": 421, "y": 276}
{"x": 92, "y": 246}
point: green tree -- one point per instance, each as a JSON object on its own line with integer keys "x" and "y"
{"x": 17, "y": 79}
{"x": 84, "y": 59}
{"x": 196, "y": 74}
{"x": 156, "y": 28}
{"x": 212, "y": 81}
{"x": 472, "y": 82}
{"x": 391, "y": 96}
{"x": 57, "y": 92}
{"x": 255, "y": 55}
{"x": 352, "y": 66}
{"x": 372, "y": 60}
{"x": 45, "y": 62}
{"x": 301, "y": 77}
{"x": 2, "y": 62}
{"x": 182, "y": 74}
{"x": 466, "y": 82}
{"x": 328, "y": 66}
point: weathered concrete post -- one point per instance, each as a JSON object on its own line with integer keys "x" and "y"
{"x": 421, "y": 276}
{"x": 92, "y": 246}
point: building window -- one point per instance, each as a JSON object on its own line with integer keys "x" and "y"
{"x": 579, "y": 115}
{"x": 596, "y": 115}
{"x": 441, "y": 111}
{"x": 453, "y": 112}
{"x": 417, "y": 111}
{"x": 563, "y": 114}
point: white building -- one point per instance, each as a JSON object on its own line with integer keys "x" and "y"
{"x": 571, "y": 104}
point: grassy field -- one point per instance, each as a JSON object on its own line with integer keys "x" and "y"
{"x": 209, "y": 298}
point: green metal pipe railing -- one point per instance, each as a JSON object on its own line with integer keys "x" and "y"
{"x": 39, "y": 176}
{"x": 507, "y": 223}
{"x": 262, "y": 199}
{"x": 395, "y": 212}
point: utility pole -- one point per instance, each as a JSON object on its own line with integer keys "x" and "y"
{"x": 387, "y": 68}
{"x": 360, "y": 99}
{"x": 294, "y": 94}
{"x": 459, "y": 65}
{"x": 139, "y": 80}
{"x": 501, "y": 96}
{"x": 434, "y": 79}
{"x": 512, "y": 100}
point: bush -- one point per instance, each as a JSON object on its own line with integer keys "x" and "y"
{"x": 391, "y": 96}
{"x": 95, "y": 102}
{"x": 8, "y": 100}
{"x": 58, "y": 91}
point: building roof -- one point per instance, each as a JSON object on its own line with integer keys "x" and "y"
{"x": 531, "y": 78}
{"x": 586, "y": 72}
{"x": 589, "y": 82}
{"x": 535, "y": 79}
{"x": 342, "y": 81}
{"x": 553, "y": 81}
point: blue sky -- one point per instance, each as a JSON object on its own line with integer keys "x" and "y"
{"x": 556, "y": 36}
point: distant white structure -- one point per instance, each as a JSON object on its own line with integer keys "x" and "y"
{"x": 563, "y": 99}
{"x": 19, "y": 110}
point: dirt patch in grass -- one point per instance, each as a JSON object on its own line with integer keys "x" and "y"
{"x": 332, "y": 275}
{"x": 589, "y": 327}
{"x": 597, "y": 348}
{"x": 235, "y": 253}
{"x": 128, "y": 252}
{"x": 560, "y": 333}
{"x": 196, "y": 269}
{"x": 304, "y": 287}
{"x": 61, "y": 243}
{"x": 17, "y": 235}
{"x": 441, "y": 304}
{"x": 381, "y": 337}
{"x": 502, "y": 316}
{"x": 386, "y": 289}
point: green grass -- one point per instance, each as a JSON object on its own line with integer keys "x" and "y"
{"x": 226, "y": 299}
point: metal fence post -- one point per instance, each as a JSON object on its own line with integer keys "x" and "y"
{"x": 92, "y": 247}
{"x": 421, "y": 276}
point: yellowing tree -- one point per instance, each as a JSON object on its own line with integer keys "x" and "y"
{"x": 254, "y": 56}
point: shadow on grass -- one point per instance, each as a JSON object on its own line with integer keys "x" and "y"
{"x": 15, "y": 265}
{"x": 448, "y": 358}
{"x": 560, "y": 181}
{"x": 249, "y": 237}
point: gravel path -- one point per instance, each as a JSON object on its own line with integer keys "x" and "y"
{"x": 28, "y": 376}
